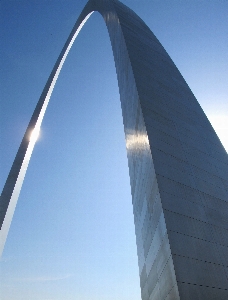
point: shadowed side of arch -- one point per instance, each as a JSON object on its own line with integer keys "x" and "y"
{"x": 177, "y": 165}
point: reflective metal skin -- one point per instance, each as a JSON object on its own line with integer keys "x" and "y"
{"x": 178, "y": 167}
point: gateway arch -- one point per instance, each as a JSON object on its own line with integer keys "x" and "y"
{"x": 177, "y": 165}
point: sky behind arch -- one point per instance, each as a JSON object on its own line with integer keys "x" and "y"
{"x": 72, "y": 235}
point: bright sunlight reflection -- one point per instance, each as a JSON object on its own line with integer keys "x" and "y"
{"x": 137, "y": 141}
{"x": 35, "y": 134}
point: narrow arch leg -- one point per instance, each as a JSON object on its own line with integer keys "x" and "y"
{"x": 178, "y": 167}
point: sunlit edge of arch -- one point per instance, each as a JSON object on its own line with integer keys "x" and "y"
{"x": 32, "y": 140}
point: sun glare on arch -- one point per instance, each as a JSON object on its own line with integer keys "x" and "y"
{"x": 34, "y": 134}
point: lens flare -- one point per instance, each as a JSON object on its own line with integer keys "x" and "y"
{"x": 35, "y": 135}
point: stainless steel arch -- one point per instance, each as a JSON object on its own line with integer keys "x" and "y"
{"x": 177, "y": 165}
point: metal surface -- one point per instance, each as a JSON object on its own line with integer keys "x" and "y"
{"x": 178, "y": 167}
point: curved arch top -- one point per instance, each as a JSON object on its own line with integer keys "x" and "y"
{"x": 173, "y": 156}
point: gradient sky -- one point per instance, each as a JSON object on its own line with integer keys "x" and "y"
{"x": 72, "y": 236}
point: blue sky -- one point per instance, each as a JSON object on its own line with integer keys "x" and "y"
{"x": 72, "y": 235}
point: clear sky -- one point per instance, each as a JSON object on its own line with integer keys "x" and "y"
{"x": 72, "y": 236}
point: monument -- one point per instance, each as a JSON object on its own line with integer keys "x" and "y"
{"x": 178, "y": 167}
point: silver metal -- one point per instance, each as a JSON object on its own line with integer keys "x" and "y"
{"x": 178, "y": 167}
